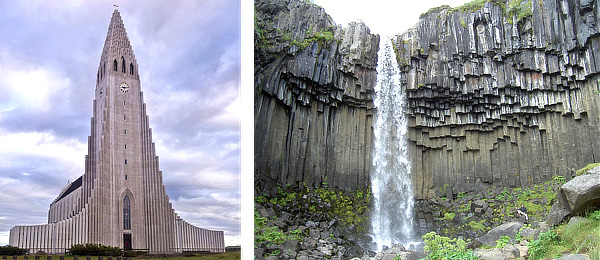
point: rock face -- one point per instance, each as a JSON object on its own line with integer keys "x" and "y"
{"x": 497, "y": 101}
{"x": 314, "y": 85}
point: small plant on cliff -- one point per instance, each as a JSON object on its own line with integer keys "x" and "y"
{"x": 519, "y": 9}
{"x": 439, "y": 247}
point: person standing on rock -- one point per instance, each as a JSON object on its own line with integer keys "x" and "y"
{"x": 523, "y": 212}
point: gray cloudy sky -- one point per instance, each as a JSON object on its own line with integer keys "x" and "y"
{"x": 188, "y": 54}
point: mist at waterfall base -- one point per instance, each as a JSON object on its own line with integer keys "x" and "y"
{"x": 392, "y": 215}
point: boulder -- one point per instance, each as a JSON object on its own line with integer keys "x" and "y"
{"x": 557, "y": 214}
{"x": 580, "y": 193}
{"x": 508, "y": 252}
{"x": 542, "y": 227}
{"x": 574, "y": 257}
{"x": 508, "y": 229}
{"x": 574, "y": 221}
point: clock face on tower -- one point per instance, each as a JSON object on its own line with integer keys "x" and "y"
{"x": 124, "y": 87}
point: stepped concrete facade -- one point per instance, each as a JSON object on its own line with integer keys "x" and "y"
{"x": 120, "y": 200}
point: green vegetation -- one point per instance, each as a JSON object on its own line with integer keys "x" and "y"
{"x": 463, "y": 23}
{"x": 434, "y": 10}
{"x": 93, "y": 249}
{"x": 12, "y": 250}
{"x": 350, "y": 208}
{"x": 439, "y": 247}
{"x": 519, "y": 9}
{"x": 502, "y": 242}
{"x": 580, "y": 238}
{"x": 585, "y": 169}
{"x": 476, "y": 5}
{"x": 448, "y": 216}
{"x": 273, "y": 235}
{"x": 477, "y": 225}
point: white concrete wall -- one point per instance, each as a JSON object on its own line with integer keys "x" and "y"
{"x": 191, "y": 238}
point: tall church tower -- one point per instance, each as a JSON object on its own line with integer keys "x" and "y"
{"x": 120, "y": 200}
{"x": 124, "y": 167}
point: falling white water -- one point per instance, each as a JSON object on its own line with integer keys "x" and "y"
{"x": 391, "y": 218}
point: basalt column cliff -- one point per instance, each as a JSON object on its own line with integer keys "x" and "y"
{"x": 314, "y": 84}
{"x": 501, "y": 95}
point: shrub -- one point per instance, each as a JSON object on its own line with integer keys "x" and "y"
{"x": 94, "y": 249}
{"x": 595, "y": 215}
{"x": 539, "y": 247}
{"x": 12, "y": 250}
{"x": 439, "y": 247}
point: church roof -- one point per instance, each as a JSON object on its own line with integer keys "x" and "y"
{"x": 72, "y": 187}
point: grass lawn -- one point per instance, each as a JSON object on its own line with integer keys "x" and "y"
{"x": 223, "y": 256}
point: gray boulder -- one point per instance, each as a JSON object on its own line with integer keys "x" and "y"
{"x": 506, "y": 253}
{"x": 580, "y": 193}
{"x": 507, "y": 229}
{"x": 557, "y": 214}
{"x": 574, "y": 257}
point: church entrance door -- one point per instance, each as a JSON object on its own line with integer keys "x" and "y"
{"x": 127, "y": 241}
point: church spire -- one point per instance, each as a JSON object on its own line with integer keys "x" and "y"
{"x": 117, "y": 48}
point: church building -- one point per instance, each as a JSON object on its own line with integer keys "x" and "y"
{"x": 120, "y": 200}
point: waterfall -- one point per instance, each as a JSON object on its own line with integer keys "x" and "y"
{"x": 391, "y": 219}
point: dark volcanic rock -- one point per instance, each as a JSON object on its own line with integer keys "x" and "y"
{"x": 557, "y": 214}
{"x": 314, "y": 85}
{"x": 498, "y": 102}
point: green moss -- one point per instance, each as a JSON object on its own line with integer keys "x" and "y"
{"x": 585, "y": 169}
{"x": 522, "y": 9}
{"x": 434, "y": 10}
{"x": 463, "y": 23}
{"x": 449, "y": 216}
{"x": 476, "y": 5}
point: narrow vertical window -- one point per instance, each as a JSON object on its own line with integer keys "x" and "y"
{"x": 125, "y": 161}
{"x": 131, "y": 68}
{"x": 103, "y": 70}
{"x": 123, "y": 64}
{"x": 124, "y": 102}
{"x": 125, "y": 176}
{"x": 125, "y": 131}
{"x": 124, "y": 118}
{"x": 125, "y": 147}
{"x": 126, "y": 213}
{"x": 115, "y": 63}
